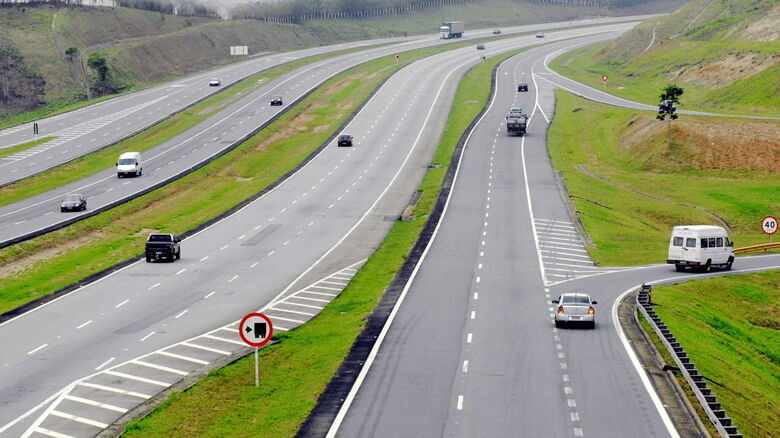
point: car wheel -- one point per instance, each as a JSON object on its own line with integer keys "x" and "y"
{"x": 178, "y": 254}
{"x": 729, "y": 263}
{"x": 558, "y": 324}
{"x": 592, "y": 325}
{"x": 708, "y": 266}
{"x": 148, "y": 259}
{"x": 62, "y": 210}
{"x": 84, "y": 207}
{"x": 679, "y": 268}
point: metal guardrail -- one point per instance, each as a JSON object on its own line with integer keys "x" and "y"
{"x": 763, "y": 246}
{"x": 696, "y": 381}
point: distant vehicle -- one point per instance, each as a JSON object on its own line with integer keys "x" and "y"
{"x": 276, "y": 100}
{"x": 522, "y": 86}
{"x": 700, "y": 247}
{"x": 497, "y": 32}
{"x": 345, "y": 140}
{"x": 451, "y": 29}
{"x": 480, "y": 47}
{"x": 129, "y": 164}
{"x": 215, "y": 82}
{"x": 540, "y": 35}
{"x": 516, "y": 124}
{"x": 575, "y": 308}
{"x": 162, "y": 246}
{"x": 73, "y": 202}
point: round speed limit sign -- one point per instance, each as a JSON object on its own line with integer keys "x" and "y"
{"x": 769, "y": 225}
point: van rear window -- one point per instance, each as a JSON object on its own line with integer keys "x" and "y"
{"x": 690, "y": 242}
{"x": 677, "y": 241}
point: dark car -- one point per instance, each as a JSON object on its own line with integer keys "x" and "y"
{"x": 345, "y": 140}
{"x": 162, "y": 246}
{"x": 73, "y": 202}
{"x": 540, "y": 35}
{"x": 497, "y": 32}
{"x": 522, "y": 86}
{"x": 480, "y": 47}
{"x": 276, "y": 100}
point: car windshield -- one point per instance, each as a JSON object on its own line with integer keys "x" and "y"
{"x": 72, "y": 198}
{"x": 345, "y": 137}
{"x": 160, "y": 238}
{"x": 127, "y": 161}
{"x": 575, "y": 299}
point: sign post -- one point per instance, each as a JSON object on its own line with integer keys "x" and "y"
{"x": 604, "y": 78}
{"x": 256, "y": 330}
{"x": 35, "y": 131}
{"x": 769, "y": 226}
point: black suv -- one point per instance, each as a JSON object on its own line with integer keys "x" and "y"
{"x": 276, "y": 100}
{"x": 480, "y": 47}
{"x": 522, "y": 86}
{"x": 162, "y": 246}
{"x": 345, "y": 140}
{"x": 73, "y": 202}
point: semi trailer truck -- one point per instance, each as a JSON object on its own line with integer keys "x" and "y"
{"x": 452, "y": 29}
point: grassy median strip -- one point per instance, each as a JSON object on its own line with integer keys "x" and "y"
{"x": 296, "y": 370}
{"x": 729, "y": 328}
{"x": 45, "y": 264}
{"x": 631, "y": 188}
{"x": 24, "y": 146}
{"x": 154, "y": 136}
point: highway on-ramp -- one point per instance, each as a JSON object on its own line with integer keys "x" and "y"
{"x": 471, "y": 348}
{"x": 100, "y": 349}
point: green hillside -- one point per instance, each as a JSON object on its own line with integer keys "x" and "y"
{"x": 724, "y": 53}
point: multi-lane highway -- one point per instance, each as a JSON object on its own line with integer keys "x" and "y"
{"x": 325, "y": 219}
{"x": 173, "y": 158}
{"x": 472, "y": 349}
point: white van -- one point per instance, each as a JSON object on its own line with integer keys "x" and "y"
{"x": 129, "y": 164}
{"x": 700, "y": 247}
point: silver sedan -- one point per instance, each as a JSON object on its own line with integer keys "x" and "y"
{"x": 575, "y": 307}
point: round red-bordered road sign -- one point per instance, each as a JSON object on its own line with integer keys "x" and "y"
{"x": 769, "y": 225}
{"x": 255, "y": 329}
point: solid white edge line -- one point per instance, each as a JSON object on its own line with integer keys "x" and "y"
{"x": 374, "y": 351}
{"x": 638, "y": 366}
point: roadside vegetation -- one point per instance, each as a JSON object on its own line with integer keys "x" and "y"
{"x": 729, "y": 328}
{"x": 631, "y": 187}
{"x": 722, "y": 53}
{"x": 21, "y": 147}
{"x": 296, "y": 370}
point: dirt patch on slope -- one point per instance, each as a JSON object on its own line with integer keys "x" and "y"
{"x": 767, "y": 28}
{"x": 699, "y": 143}
{"x": 16, "y": 266}
{"x": 725, "y": 71}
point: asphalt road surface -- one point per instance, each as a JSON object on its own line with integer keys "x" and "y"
{"x": 472, "y": 349}
{"x": 161, "y": 164}
{"x": 325, "y": 219}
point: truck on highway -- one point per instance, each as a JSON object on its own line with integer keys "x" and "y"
{"x": 452, "y": 29}
{"x": 516, "y": 124}
{"x": 162, "y": 246}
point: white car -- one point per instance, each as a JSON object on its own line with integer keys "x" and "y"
{"x": 214, "y": 82}
{"x": 700, "y": 247}
{"x": 574, "y": 307}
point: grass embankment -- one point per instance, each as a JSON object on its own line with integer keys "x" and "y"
{"x": 296, "y": 370}
{"x": 154, "y": 136}
{"x": 729, "y": 328}
{"x": 731, "y": 175}
{"x": 20, "y": 147}
{"x": 643, "y": 79}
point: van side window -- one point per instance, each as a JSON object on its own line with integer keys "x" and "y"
{"x": 712, "y": 242}
{"x": 704, "y": 243}
{"x": 677, "y": 241}
{"x": 720, "y": 242}
{"x": 690, "y": 242}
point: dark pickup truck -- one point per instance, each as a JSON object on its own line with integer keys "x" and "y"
{"x": 516, "y": 124}
{"x": 163, "y": 246}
